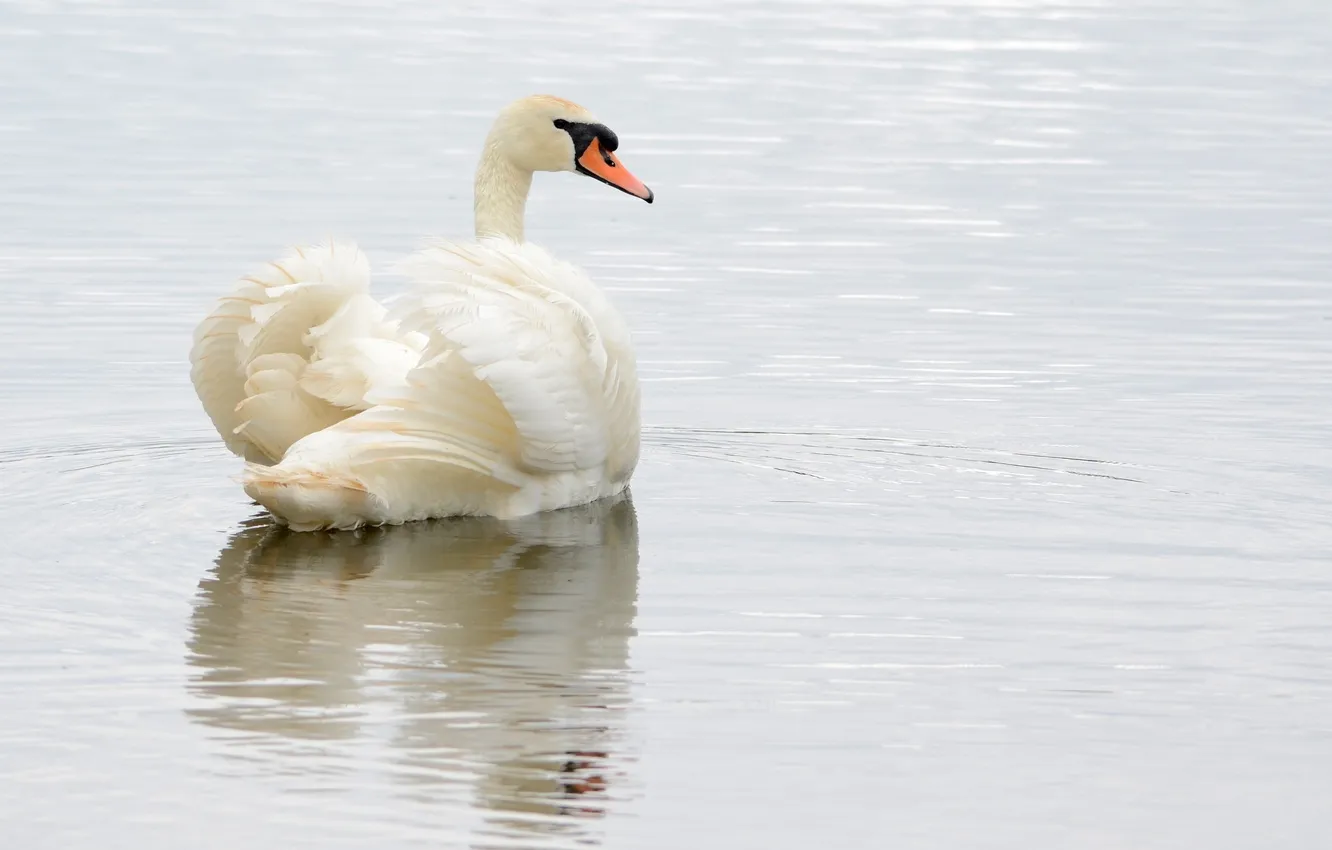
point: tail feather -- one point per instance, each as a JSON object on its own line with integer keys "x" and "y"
{"x": 350, "y": 473}
{"x": 306, "y": 500}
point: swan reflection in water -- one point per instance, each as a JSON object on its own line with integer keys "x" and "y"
{"x": 485, "y": 652}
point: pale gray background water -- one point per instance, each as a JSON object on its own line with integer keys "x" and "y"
{"x": 985, "y": 491}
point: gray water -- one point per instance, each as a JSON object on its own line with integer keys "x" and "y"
{"x": 987, "y": 465}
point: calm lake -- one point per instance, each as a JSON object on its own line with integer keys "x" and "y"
{"x": 987, "y": 470}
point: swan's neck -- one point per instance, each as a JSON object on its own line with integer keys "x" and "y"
{"x": 500, "y": 194}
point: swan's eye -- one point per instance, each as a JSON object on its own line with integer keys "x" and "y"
{"x": 561, "y": 124}
{"x": 610, "y": 162}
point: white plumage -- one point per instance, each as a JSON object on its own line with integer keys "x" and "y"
{"x": 502, "y": 384}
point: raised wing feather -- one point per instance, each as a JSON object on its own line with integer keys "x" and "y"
{"x": 294, "y": 349}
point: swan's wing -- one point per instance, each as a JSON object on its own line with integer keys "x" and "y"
{"x": 507, "y": 326}
{"x": 294, "y": 349}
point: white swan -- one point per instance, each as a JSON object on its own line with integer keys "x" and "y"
{"x": 503, "y": 384}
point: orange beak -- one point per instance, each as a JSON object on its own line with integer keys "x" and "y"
{"x": 603, "y": 165}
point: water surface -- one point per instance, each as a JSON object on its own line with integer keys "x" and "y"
{"x": 983, "y": 503}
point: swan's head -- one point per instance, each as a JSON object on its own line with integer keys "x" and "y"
{"x": 545, "y": 133}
